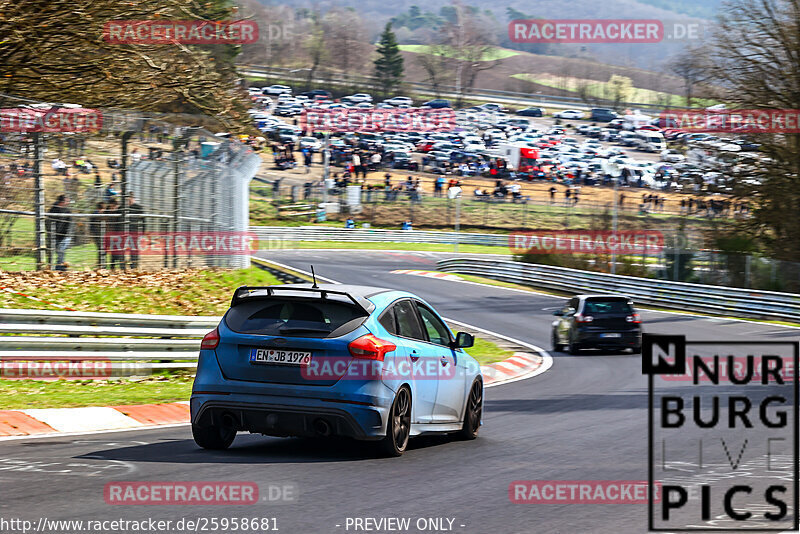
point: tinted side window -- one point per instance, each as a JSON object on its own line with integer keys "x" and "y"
{"x": 437, "y": 331}
{"x": 407, "y": 322}
{"x": 388, "y": 322}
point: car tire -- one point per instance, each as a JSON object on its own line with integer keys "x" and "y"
{"x": 636, "y": 350}
{"x": 213, "y": 437}
{"x": 573, "y": 349}
{"x": 473, "y": 412}
{"x": 557, "y": 347}
{"x": 398, "y": 428}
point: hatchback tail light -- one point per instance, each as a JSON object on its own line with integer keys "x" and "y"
{"x": 210, "y": 340}
{"x": 584, "y": 318}
{"x": 633, "y": 318}
{"x": 369, "y": 347}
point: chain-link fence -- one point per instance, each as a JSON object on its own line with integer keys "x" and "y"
{"x": 139, "y": 192}
{"x": 688, "y": 252}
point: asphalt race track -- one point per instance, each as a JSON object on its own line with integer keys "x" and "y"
{"x": 584, "y": 419}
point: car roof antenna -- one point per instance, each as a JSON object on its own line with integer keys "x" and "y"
{"x": 314, "y": 277}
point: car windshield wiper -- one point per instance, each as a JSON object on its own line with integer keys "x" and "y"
{"x": 291, "y": 330}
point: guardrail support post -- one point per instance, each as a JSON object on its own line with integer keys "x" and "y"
{"x": 38, "y": 202}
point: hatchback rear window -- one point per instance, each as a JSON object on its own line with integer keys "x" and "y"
{"x": 607, "y": 306}
{"x": 295, "y": 317}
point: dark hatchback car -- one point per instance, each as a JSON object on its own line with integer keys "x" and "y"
{"x": 603, "y": 115}
{"x": 606, "y": 322}
{"x": 531, "y": 112}
{"x": 436, "y": 103}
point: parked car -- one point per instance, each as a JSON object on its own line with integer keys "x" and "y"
{"x": 334, "y": 360}
{"x": 492, "y": 107}
{"x": 311, "y": 143}
{"x": 318, "y": 94}
{"x": 436, "y": 103}
{"x": 570, "y": 114}
{"x": 360, "y": 97}
{"x": 608, "y": 322}
{"x": 672, "y": 156}
{"x": 603, "y": 115}
{"x": 399, "y": 101}
{"x": 276, "y": 90}
{"x": 531, "y": 112}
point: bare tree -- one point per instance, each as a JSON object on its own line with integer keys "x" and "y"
{"x": 471, "y": 45}
{"x": 435, "y": 65}
{"x": 346, "y": 36}
{"x": 316, "y": 48}
{"x": 755, "y": 57}
{"x": 692, "y": 69}
{"x": 54, "y": 50}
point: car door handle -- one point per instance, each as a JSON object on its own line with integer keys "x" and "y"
{"x": 414, "y": 356}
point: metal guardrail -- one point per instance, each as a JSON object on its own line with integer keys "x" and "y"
{"x": 151, "y": 341}
{"x": 717, "y": 300}
{"x": 316, "y": 233}
{"x": 444, "y": 91}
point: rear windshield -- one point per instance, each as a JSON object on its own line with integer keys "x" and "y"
{"x": 295, "y": 317}
{"x": 607, "y": 306}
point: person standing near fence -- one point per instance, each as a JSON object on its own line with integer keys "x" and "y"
{"x": 96, "y": 227}
{"x": 136, "y": 225}
{"x": 115, "y": 226}
{"x": 59, "y": 228}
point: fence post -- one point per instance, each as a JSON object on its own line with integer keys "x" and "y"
{"x": 123, "y": 191}
{"x": 38, "y": 201}
{"x": 176, "y": 155}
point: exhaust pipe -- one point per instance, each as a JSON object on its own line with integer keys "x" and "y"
{"x": 228, "y": 420}
{"x": 322, "y": 427}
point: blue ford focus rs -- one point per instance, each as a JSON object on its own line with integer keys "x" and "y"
{"x": 334, "y": 360}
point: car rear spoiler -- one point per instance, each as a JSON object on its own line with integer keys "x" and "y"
{"x": 246, "y": 292}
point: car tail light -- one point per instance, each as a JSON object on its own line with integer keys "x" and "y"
{"x": 584, "y": 318}
{"x": 633, "y": 318}
{"x": 210, "y": 340}
{"x": 370, "y": 347}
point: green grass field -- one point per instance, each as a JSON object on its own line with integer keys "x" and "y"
{"x": 189, "y": 292}
{"x": 418, "y": 247}
{"x": 598, "y": 89}
{"x": 491, "y": 55}
{"x": 22, "y": 394}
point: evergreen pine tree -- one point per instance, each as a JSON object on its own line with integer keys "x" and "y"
{"x": 389, "y": 64}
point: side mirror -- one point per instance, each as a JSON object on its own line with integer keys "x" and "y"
{"x": 463, "y": 340}
{"x": 558, "y": 313}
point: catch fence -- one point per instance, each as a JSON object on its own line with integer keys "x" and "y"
{"x": 131, "y": 195}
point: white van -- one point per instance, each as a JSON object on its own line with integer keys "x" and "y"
{"x": 650, "y": 141}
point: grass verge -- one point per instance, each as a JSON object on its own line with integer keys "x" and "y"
{"x": 181, "y": 292}
{"x": 487, "y": 352}
{"x": 164, "y": 387}
{"x": 418, "y": 247}
{"x": 24, "y": 394}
